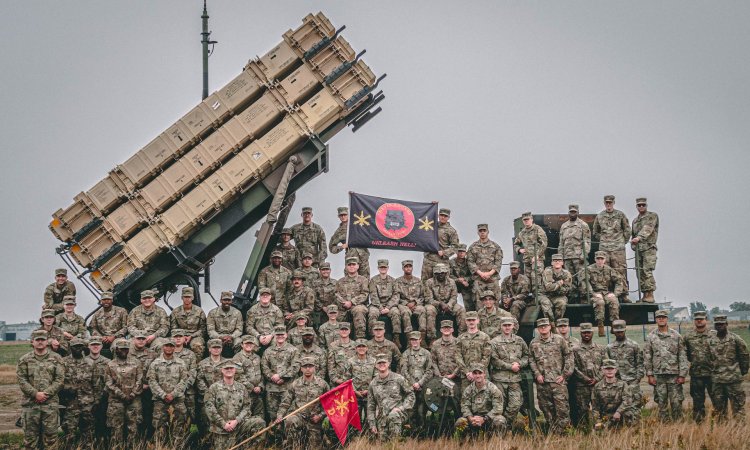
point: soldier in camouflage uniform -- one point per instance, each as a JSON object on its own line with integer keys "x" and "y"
{"x": 263, "y": 317}
{"x": 338, "y": 243}
{"x": 77, "y": 395}
{"x": 41, "y": 375}
{"x": 360, "y": 368}
{"x": 329, "y": 331}
{"x": 731, "y": 361}
{"x": 55, "y": 292}
{"x": 461, "y": 274}
{"x": 445, "y": 355}
{"x": 310, "y": 237}
{"x": 645, "y": 231}
{"x": 312, "y": 275}
{"x": 225, "y": 323}
{"x": 299, "y": 299}
{"x": 510, "y": 355}
{"x": 305, "y": 429}
{"x": 588, "y": 357}
{"x": 275, "y": 277}
{"x": 294, "y": 334}
{"x": 124, "y": 381}
{"x": 605, "y": 287}
{"x": 384, "y": 300}
{"x": 192, "y": 399}
{"x": 249, "y": 374}
{"x": 412, "y": 301}
{"x": 551, "y": 361}
{"x": 531, "y": 245}
{"x": 612, "y": 399}
{"x": 108, "y": 322}
{"x": 99, "y": 407}
{"x": 515, "y": 290}
{"x": 666, "y": 367}
{"x": 629, "y": 357}
{"x": 563, "y": 329}
{"x": 290, "y": 255}
{"x": 380, "y": 345}
{"x": 145, "y": 356}
{"x": 325, "y": 293}
{"x": 339, "y": 353}
{"x": 490, "y": 315}
{"x": 417, "y": 367}
{"x": 279, "y": 368}
{"x": 208, "y": 373}
{"x": 557, "y": 283}
{"x": 229, "y": 410}
{"x": 698, "y": 352}
{"x": 482, "y": 405}
{"x": 149, "y": 318}
{"x": 612, "y": 231}
{"x": 55, "y": 338}
{"x": 309, "y": 349}
{"x": 390, "y": 399}
{"x": 69, "y": 322}
{"x": 168, "y": 378}
{"x": 192, "y": 320}
{"x": 472, "y": 347}
{"x": 574, "y": 246}
{"x": 441, "y": 292}
{"x": 447, "y": 240}
{"x": 484, "y": 258}
{"x": 351, "y": 297}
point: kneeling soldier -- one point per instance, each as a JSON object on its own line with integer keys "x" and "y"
{"x": 482, "y": 405}
{"x": 417, "y": 367}
{"x": 612, "y": 398}
{"x": 390, "y": 400}
{"x": 306, "y": 427}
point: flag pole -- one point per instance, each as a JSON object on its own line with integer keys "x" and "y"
{"x": 264, "y": 430}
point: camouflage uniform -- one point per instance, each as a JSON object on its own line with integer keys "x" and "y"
{"x": 417, "y": 367}
{"x": 730, "y": 359}
{"x": 225, "y": 402}
{"x": 361, "y": 371}
{"x": 53, "y": 295}
{"x": 261, "y": 320}
{"x": 124, "y": 381}
{"x": 459, "y": 268}
{"x": 145, "y": 356}
{"x": 698, "y": 352}
{"x": 487, "y": 402}
{"x": 612, "y": 231}
{"x": 317, "y": 354}
{"x": 412, "y": 291}
{"x": 665, "y": 359}
{"x": 249, "y": 375}
{"x": 588, "y": 360}
{"x": 325, "y": 295}
{"x": 278, "y": 360}
{"x": 485, "y": 256}
{"x": 45, "y": 373}
{"x": 294, "y": 336}
{"x": 194, "y": 324}
{"x": 471, "y": 349}
{"x": 169, "y": 376}
{"x": 384, "y": 294}
{"x": 300, "y": 428}
{"x": 555, "y": 298}
{"x": 605, "y": 286}
{"x": 631, "y": 368}
{"x": 109, "y": 323}
{"x": 73, "y": 324}
{"x": 291, "y": 258}
{"x": 311, "y": 238}
{"x": 531, "y": 239}
{"x": 277, "y": 280}
{"x": 489, "y": 321}
{"x": 506, "y": 351}
{"x": 300, "y": 300}
{"x": 610, "y": 398}
{"x": 517, "y": 290}
{"x": 99, "y": 407}
{"x": 385, "y": 395}
{"x": 77, "y": 395}
{"x": 552, "y": 358}
{"x": 328, "y": 333}
{"x": 56, "y": 333}
{"x": 220, "y": 323}
{"x": 385, "y": 347}
{"x": 646, "y": 227}
{"x": 448, "y": 241}
{"x": 338, "y": 354}
{"x": 445, "y": 355}
{"x": 574, "y": 246}
{"x": 442, "y": 294}
{"x": 312, "y": 275}
{"x": 193, "y": 402}
{"x": 208, "y": 372}
{"x": 354, "y": 289}
{"x": 153, "y": 321}
{"x": 362, "y": 254}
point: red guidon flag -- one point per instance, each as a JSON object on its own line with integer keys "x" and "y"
{"x": 340, "y": 404}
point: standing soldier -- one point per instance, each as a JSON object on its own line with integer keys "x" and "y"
{"x": 309, "y": 349}
{"x": 192, "y": 401}
{"x": 380, "y": 345}
{"x": 144, "y": 355}
{"x": 666, "y": 367}
{"x": 482, "y": 405}
{"x": 305, "y": 429}
{"x": 447, "y": 240}
{"x": 108, "y": 322}
{"x": 249, "y": 373}
{"x": 515, "y": 290}
{"x": 168, "y": 378}
{"x": 645, "y": 232}
{"x": 55, "y": 338}
{"x": 390, "y": 400}
{"x": 99, "y": 407}
{"x": 588, "y": 357}
{"x": 325, "y": 293}
{"x": 461, "y": 274}
{"x": 612, "y": 398}
{"x": 351, "y": 297}
{"x": 41, "y": 375}
{"x": 574, "y": 246}
{"x": 490, "y": 316}
{"x": 698, "y": 351}
{"x": 472, "y": 347}
{"x": 312, "y": 274}
{"x": 69, "y": 322}
{"x": 612, "y": 231}
{"x": 557, "y": 283}
{"x": 629, "y": 357}
{"x": 77, "y": 395}
{"x": 552, "y": 363}
{"x": 412, "y": 301}
{"x": 310, "y": 237}
{"x": 605, "y": 286}
{"x": 299, "y": 299}
{"x": 441, "y": 292}
{"x": 338, "y": 243}
{"x": 329, "y": 331}
{"x": 339, "y": 353}
{"x": 208, "y": 373}
{"x": 445, "y": 354}
{"x": 510, "y": 355}
{"x": 563, "y": 329}
{"x": 263, "y": 317}
{"x": 290, "y": 256}
{"x": 279, "y": 368}
{"x": 484, "y": 258}
{"x": 229, "y": 410}
{"x": 531, "y": 245}
{"x": 192, "y": 320}
{"x": 124, "y": 381}
{"x": 417, "y": 368}
{"x": 730, "y": 362}
{"x": 384, "y": 298}
{"x": 360, "y": 368}
{"x": 275, "y": 277}
{"x": 149, "y": 318}
{"x": 225, "y": 323}
{"x": 56, "y": 292}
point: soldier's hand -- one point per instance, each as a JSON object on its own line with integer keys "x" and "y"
{"x": 522, "y": 251}
{"x": 441, "y": 253}
{"x": 411, "y": 306}
{"x": 560, "y": 379}
{"x": 385, "y": 311}
{"x": 515, "y": 367}
{"x": 652, "y": 380}
{"x": 598, "y": 426}
{"x": 396, "y": 410}
{"x": 316, "y": 418}
{"x": 680, "y": 380}
{"x": 278, "y": 420}
{"x": 169, "y": 398}
{"x": 347, "y": 304}
{"x": 275, "y": 378}
{"x": 616, "y": 416}
{"x": 470, "y": 376}
{"x": 635, "y": 240}
{"x": 264, "y": 340}
{"x": 344, "y": 245}
{"x": 540, "y": 379}
{"x": 256, "y": 389}
{"x": 150, "y": 339}
{"x": 416, "y": 386}
{"x": 41, "y": 397}
{"x": 288, "y": 316}
{"x": 591, "y": 381}
{"x": 373, "y": 430}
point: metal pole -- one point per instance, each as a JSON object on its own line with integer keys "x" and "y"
{"x": 585, "y": 265}
{"x": 638, "y": 271}
{"x": 205, "y": 41}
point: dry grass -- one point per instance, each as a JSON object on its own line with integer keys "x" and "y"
{"x": 7, "y": 375}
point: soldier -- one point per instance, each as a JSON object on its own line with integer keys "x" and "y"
{"x": 351, "y": 297}
{"x": 144, "y": 355}
{"x": 629, "y": 357}
{"x": 299, "y": 298}
{"x": 338, "y": 243}
{"x": 193, "y": 402}
{"x": 305, "y": 428}
{"x": 482, "y": 405}
{"x": 731, "y": 361}
{"x": 698, "y": 351}
{"x": 574, "y": 246}
{"x": 645, "y": 232}
{"x": 41, "y": 375}
{"x": 447, "y": 240}
{"x": 666, "y": 367}
{"x": 412, "y": 301}
{"x": 384, "y": 299}
{"x": 149, "y": 318}
{"x": 360, "y": 368}
{"x": 225, "y": 323}
{"x": 77, "y": 395}
{"x": 445, "y": 354}
{"x": 124, "y": 382}
{"x": 325, "y": 293}
{"x": 312, "y": 275}
{"x": 441, "y": 292}
{"x": 557, "y": 283}
{"x": 472, "y": 347}
{"x": 168, "y": 378}
{"x": 279, "y": 368}
{"x": 390, "y": 400}
{"x": 563, "y": 329}
{"x": 294, "y": 335}
{"x": 339, "y": 353}
{"x": 56, "y": 292}
{"x": 229, "y": 410}
{"x": 290, "y": 255}
{"x": 612, "y": 398}
{"x": 515, "y": 290}
{"x": 249, "y": 373}
{"x": 490, "y": 316}
{"x": 192, "y": 320}
{"x": 108, "y": 322}
{"x": 380, "y": 345}
{"x": 99, "y": 407}
{"x": 310, "y": 237}
{"x": 588, "y": 357}
{"x": 510, "y": 355}
{"x": 55, "y": 338}
{"x": 417, "y": 368}
{"x": 605, "y": 286}
{"x": 275, "y": 277}
{"x": 263, "y": 317}
{"x": 612, "y": 231}
{"x": 208, "y": 373}
{"x": 69, "y": 322}
{"x": 461, "y": 274}
{"x": 552, "y": 363}
{"x": 309, "y": 349}
{"x": 484, "y": 258}
{"x": 329, "y": 331}
{"x": 531, "y": 245}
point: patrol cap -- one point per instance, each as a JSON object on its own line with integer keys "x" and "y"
{"x": 148, "y": 293}
{"x": 168, "y": 342}
{"x": 307, "y": 331}
{"x": 276, "y": 254}
{"x": 306, "y": 209}
{"x": 515, "y": 264}
{"x": 477, "y": 368}
{"x": 139, "y": 334}
{"x": 300, "y": 315}
{"x": 324, "y": 266}
{"x": 609, "y": 364}
{"x": 187, "y": 292}
{"x": 61, "y": 272}
{"x": 527, "y": 215}
{"x": 573, "y": 207}
{"x": 562, "y": 322}
{"x": 38, "y": 334}
{"x": 641, "y": 201}
{"x": 407, "y": 262}
{"x": 279, "y": 329}
{"x": 472, "y": 315}
{"x": 446, "y": 324}
{"x": 661, "y": 313}
{"x": 48, "y": 313}
{"x": 700, "y": 315}
{"x": 213, "y": 343}
{"x": 69, "y": 300}
{"x": 250, "y": 338}
{"x": 308, "y": 361}
{"x": 488, "y": 293}
{"x": 95, "y": 340}
{"x": 229, "y": 364}
{"x": 557, "y": 257}
{"x": 461, "y": 248}
{"x": 541, "y": 322}
{"x": 179, "y": 332}
{"x": 77, "y": 342}
{"x": 505, "y": 319}
{"x": 306, "y": 255}
{"x": 298, "y": 274}
{"x": 345, "y": 326}
{"x": 415, "y": 335}
{"x": 722, "y": 318}
{"x": 586, "y": 326}
{"x": 382, "y": 357}
{"x": 379, "y": 325}
{"x": 619, "y": 325}
{"x": 444, "y": 212}
{"x": 106, "y": 295}
{"x": 600, "y": 254}
{"x": 342, "y": 210}
{"x": 121, "y": 343}
{"x": 482, "y": 226}
{"x": 609, "y": 198}
{"x": 227, "y": 295}
{"x": 352, "y": 260}
{"x": 360, "y": 343}
{"x": 265, "y": 290}
{"x": 440, "y": 268}
{"x": 286, "y": 231}
{"x": 382, "y": 263}
{"x": 332, "y": 309}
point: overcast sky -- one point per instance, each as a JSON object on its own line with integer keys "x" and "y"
{"x": 492, "y": 108}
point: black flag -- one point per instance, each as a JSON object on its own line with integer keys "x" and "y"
{"x": 377, "y": 222}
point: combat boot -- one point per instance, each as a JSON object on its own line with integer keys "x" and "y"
{"x": 600, "y": 324}
{"x": 648, "y": 297}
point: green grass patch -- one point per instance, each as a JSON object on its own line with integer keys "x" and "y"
{"x": 11, "y": 353}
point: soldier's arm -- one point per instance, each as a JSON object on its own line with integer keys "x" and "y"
{"x": 333, "y": 244}
{"x": 211, "y": 326}
{"x": 185, "y": 379}
{"x": 403, "y": 368}
{"x": 364, "y": 291}
{"x": 597, "y": 229}
{"x": 132, "y": 327}
{"x": 648, "y": 363}
{"x": 140, "y": 379}
{"x": 371, "y": 406}
{"x": 618, "y": 283}
{"x": 22, "y": 374}
{"x": 498, "y": 260}
{"x": 453, "y": 296}
{"x": 110, "y": 384}
{"x": 466, "y": 404}
{"x": 453, "y": 242}
{"x": 627, "y": 402}
{"x": 323, "y": 254}
{"x": 173, "y": 321}
{"x": 237, "y": 332}
{"x": 682, "y": 358}
{"x": 153, "y": 383}
{"x": 123, "y": 319}
{"x": 524, "y": 362}
{"x": 743, "y": 357}
{"x": 429, "y": 297}
{"x": 549, "y": 282}
{"x": 517, "y": 244}
{"x": 486, "y": 352}
{"x": 648, "y": 226}
{"x": 471, "y": 260}
{"x": 460, "y": 358}
{"x": 250, "y": 323}
{"x": 586, "y": 240}
{"x": 209, "y": 405}
{"x": 498, "y": 400}
{"x": 201, "y": 326}
{"x": 408, "y": 401}
{"x": 286, "y": 403}
{"x": 163, "y": 329}
{"x": 542, "y": 236}
{"x": 577, "y": 363}
{"x": 568, "y": 365}
{"x": 596, "y": 405}
{"x": 640, "y": 362}
{"x": 246, "y": 402}
{"x": 395, "y": 354}
{"x": 625, "y": 228}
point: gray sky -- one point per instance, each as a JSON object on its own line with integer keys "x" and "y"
{"x": 492, "y": 108}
